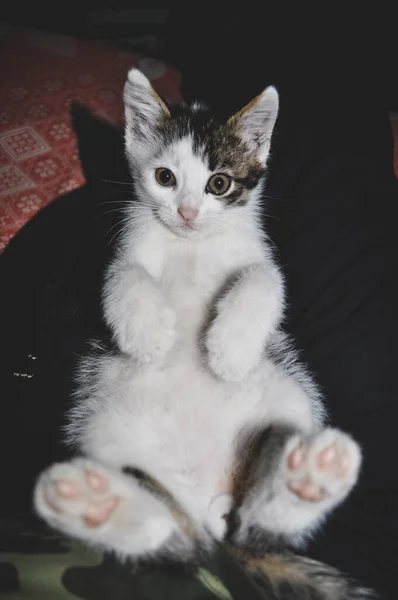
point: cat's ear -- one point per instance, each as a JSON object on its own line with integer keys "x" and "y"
{"x": 255, "y": 122}
{"x": 144, "y": 110}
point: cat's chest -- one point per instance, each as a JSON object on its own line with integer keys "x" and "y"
{"x": 192, "y": 279}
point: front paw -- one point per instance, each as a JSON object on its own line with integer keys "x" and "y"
{"x": 232, "y": 352}
{"x": 149, "y": 333}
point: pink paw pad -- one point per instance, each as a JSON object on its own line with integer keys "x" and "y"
{"x": 296, "y": 458}
{"x": 306, "y": 490}
{"x": 98, "y": 483}
{"x": 66, "y": 488}
{"x": 326, "y": 465}
{"x": 87, "y": 497}
{"x": 330, "y": 459}
{"x": 97, "y": 514}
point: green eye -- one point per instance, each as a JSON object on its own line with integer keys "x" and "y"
{"x": 218, "y": 184}
{"x": 165, "y": 177}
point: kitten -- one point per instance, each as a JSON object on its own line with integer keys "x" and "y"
{"x": 203, "y": 426}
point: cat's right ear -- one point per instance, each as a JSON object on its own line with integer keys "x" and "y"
{"x": 144, "y": 110}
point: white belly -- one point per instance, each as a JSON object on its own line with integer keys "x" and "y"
{"x": 180, "y": 424}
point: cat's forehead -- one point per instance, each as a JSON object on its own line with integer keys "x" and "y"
{"x": 191, "y": 169}
{"x": 181, "y": 151}
{"x": 194, "y": 130}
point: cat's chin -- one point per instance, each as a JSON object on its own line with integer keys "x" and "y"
{"x": 185, "y": 231}
{"x": 181, "y": 229}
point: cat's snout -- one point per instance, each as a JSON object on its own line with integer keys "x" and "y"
{"x": 188, "y": 213}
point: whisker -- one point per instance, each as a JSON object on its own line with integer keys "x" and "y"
{"x": 123, "y": 193}
{"x": 113, "y": 210}
{"x": 122, "y": 224}
{"x": 121, "y": 182}
{"x": 274, "y": 246}
{"x": 114, "y": 202}
{"x": 273, "y": 197}
{"x": 113, "y": 227}
{"x": 114, "y": 236}
{"x": 268, "y": 216}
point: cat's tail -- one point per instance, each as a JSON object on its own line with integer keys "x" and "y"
{"x": 281, "y": 575}
{"x": 284, "y": 576}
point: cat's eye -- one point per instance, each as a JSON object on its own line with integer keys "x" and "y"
{"x": 218, "y": 184}
{"x": 165, "y": 177}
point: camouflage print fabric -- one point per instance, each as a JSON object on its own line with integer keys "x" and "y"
{"x": 39, "y": 564}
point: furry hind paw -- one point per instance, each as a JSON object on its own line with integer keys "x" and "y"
{"x": 76, "y": 494}
{"x": 103, "y": 507}
{"x": 326, "y": 466}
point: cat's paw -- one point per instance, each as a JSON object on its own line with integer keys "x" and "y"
{"x": 148, "y": 334}
{"x": 323, "y": 468}
{"x": 232, "y": 352}
{"x": 76, "y": 495}
{"x": 103, "y": 507}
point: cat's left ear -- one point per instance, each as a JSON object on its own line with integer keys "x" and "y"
{"x": 255, "y": 122}
{"x": 144, "y": 109}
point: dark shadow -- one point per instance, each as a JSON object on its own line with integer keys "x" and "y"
{"x": 50, "y": 276}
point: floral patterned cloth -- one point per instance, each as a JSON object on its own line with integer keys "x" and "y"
{"x": 40, "y": 75}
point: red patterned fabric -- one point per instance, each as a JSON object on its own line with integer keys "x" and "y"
{"x": 40, "y": 74}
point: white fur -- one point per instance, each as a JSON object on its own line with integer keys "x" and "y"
{"x": 152, "y": 332}
{"x": 278, "y": 509}
{"x": 139, "y": 519}
{"x": 168, "y": 405}
{"x": 234, "y": 343}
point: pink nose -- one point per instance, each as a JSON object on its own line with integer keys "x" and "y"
{"x": 188, "y": 213}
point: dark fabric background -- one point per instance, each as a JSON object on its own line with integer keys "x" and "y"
{"x": 331, "y": 203}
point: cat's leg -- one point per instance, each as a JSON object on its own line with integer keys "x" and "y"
{"x": 295, "y": 480}
{"x": 246, "y": 316}
{"x": 111, "y": 510}
{"x": 139, "y": 315}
